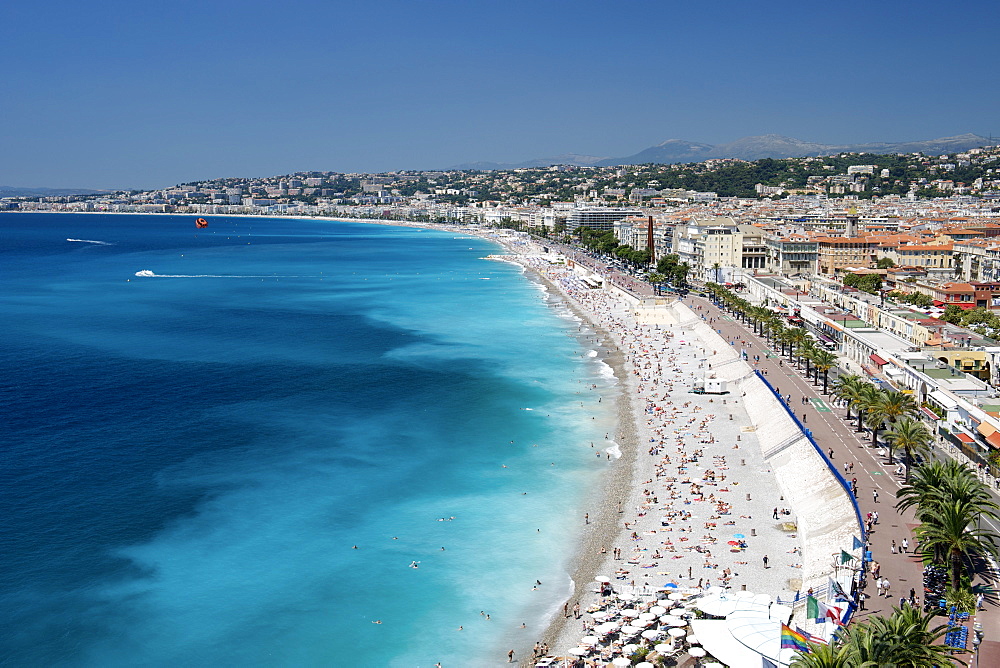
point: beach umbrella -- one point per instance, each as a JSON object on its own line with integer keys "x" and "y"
{"x": 644, "y": 664}
{"x": 738, "y": 535}
{"x": 658, "y": 610}
{"x": 650, "y": 634}
{"x": 676, "y": 596}
{"x": 644, "y": 622}
{"x": 579, "y": 651}
{"x": 630, "y": 648}
{"x": 606, "y": 628}
{"x": 600, "y": 614}
{"x": 663, "y": 648}
{"x": 630, "y": 630}
{"x": 713, "y": 664}
{"x": 670, "y": 585}
{"x": 647, "y": 615}
{"x": 589, "y": 640}
{"x": 697, "y": 652}
{"x": 621, "y": 661}
{"x": 602, "y": 578}
{"x": 630, "y": 612}
{"x": 734, "y": 542}
{"x": 693, "y": 639}
{"x": 676, "y": 633}
{"x": 676, "y": 621}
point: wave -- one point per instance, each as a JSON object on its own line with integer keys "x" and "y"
{"x": 606, "y": 371}
{"x": 90, "y": 241}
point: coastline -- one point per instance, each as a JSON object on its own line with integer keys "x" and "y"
{"x": 618, "y": 484}
{"x": 623, "y": 331}
{"x": 626, "y": 534}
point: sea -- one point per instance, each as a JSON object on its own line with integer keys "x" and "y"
{"x": 284, "y": 442}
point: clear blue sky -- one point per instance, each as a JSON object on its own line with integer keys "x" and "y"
{"x": 140, "y": 94}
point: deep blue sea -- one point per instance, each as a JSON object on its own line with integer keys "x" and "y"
{"x": 190, "y": 458}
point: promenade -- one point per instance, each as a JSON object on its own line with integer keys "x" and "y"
{"x": 877, "y": 482}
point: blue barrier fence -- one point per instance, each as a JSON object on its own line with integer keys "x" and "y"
{"x": 830, "y": 465}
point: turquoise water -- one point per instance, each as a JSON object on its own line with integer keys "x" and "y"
{"x": 191, "y": 457}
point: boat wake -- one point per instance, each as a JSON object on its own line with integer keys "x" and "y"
{"x": 146, "y": 273}
{"x": 90, "y": 241}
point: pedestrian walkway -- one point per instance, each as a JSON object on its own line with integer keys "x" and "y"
{"x": 874, "y": 477}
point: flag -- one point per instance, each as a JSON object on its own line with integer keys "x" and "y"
{"x": 845, "y": 556}
{"x": 793, "y": 640}
{"x": 857, "y": 543}
{"x": 768, "y": 663}
{"x": 836, "y": 588}
{"x": 821, "y": 612}
{"x": 810, "y": 637}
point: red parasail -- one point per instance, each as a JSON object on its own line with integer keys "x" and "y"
{"x": 201, "y": 222}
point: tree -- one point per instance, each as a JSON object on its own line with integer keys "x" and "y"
{"x": 870, "y": 283}
{"x": 867, "y": 399}
{"x": 950, "y": 531}
{"x": 797, "y": 338}
{"x": 889, "y": 407}
{"x": 903, "y": 639}
{"x": 823, "y": 360}
{"x": 848, "y": 389}
{"x": 912, "y": 437}
{"x": 885, "y": 263}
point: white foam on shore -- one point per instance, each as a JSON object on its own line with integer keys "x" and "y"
{"x": 591, "y": 353}
{"x": 606, "y": 370}
{"x": 614, "y": 450}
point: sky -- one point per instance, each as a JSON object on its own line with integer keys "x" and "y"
{"x": 146, "y": 95}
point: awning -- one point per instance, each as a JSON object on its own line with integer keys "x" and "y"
{"x": 719, "y": 641}
{"x": 875, "y": 358}
{"x": 986, "y": 429}
{"x": 929, "y": 413}
{"x": 964, "y": 438}
{"x": 994, "y": 439}
{"x": 943, "y": 399}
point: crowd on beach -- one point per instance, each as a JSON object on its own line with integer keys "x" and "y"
{"x": 701, "y": 496}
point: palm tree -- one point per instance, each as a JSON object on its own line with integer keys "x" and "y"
{"x": 805, "y": 352}
{"x": 912, "y": 437}
{"x": 848, "y": 388}
{"x": 937, "y": 481}
{"x": 834, "y": 655}
{"x": 904, "y": 639}
{"x": 869, "y": 399}
{"x": 824, "y": 360}
{"x": 896, "y": 405}
{"x": 797, "y": 337}
{"x": 950, "y": 532}
{"x": 890, "y": 407}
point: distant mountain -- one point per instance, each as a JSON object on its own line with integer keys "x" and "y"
{"x": 777, "y": 146}
{"x": 566, "y": 159}
{"x": 748, "y": 148}
{"x": 12, "y": 191}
